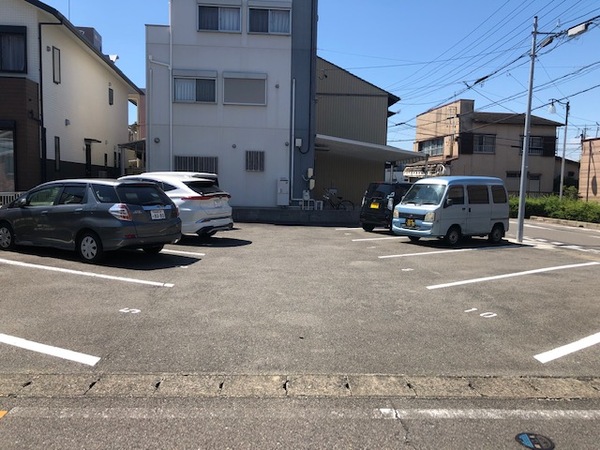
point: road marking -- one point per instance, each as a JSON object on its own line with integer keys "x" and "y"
{"x": 509, "y": 275}
{"x": 377, "y": 238}
{"x": 427, "y": 253}
{"x": 86, "y": 274}
{"x": 484, "y": 414}
{"x": 568, "y": 349}
{"x": 49, "y": 350}
{"x": 181, "y": 252}
{"x": 3, "y": 413}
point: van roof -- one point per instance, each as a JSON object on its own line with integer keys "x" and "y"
{"x": 458, "y": 179}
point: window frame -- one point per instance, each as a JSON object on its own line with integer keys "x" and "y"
{"x": 255, "y": 160}
{"x": 12, "y": 30}
{"x": 269, "y": 21}
{"x": 56, "y": 69}
{"x": 219, "y": 9}
{"x": 480, "y": 146}
{"x": 244, "y": 78}
{"x": 432, "y": 147}
{"x": 111, "y": 96}
{"x": 477, "y": 198}
{"x": 196, "y": 80}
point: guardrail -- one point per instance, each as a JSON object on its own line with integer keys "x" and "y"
{"x": 7, "y": 197}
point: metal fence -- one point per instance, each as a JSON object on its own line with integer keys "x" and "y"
{"x": 7, "y": 197}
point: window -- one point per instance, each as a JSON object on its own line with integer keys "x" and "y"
{"x": 457, "y": 195}
{"x": 56, "y": 153}
{"x": 72, "y": 195}
{"x": 255, "y": 161}
{"x": 13, "y": 53}
{"x": 432, "y": 147}
{"x": 478, "y": 195}
{"x": 269, "y": 21}
{"x": 56, "y": 65}
{"x": 44, "y": 197}
{"x": 484, "y": 143}
{"x": 536, "y": 145}
{"x": 499, "y": 194}
{"x": 111, "y": 96}
{"x": 197, "y": 163}
{"x": 244, "y": 88}
{"x": 7, "y": 155}
{"x": 202, "y": 90}
{"x": 217, "y": 18}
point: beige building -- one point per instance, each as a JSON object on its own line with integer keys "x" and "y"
{"x": 590, "y": 168}
{"x": 351, "y": 144}
{"x": 458, "y": 140}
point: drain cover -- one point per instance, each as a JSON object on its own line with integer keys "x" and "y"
{"x": 534, "y": 441}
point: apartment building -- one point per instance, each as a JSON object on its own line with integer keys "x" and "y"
{"x": 235, "y": 87}
{"x": 458, "y": 140}
{"x": 64, "y": 108}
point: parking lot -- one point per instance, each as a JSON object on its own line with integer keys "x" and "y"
{"x": 268, "y": 299}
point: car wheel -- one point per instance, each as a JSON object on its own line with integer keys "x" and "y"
{"x": 7, "y": 237}
{"x": 368, "y": 227}
{"x": 89, "y": 247}
{"x": 153, "y": 250}
{"x": 414, "y": 238}
{"x": 496, "y": 235}
{"x": 453, "y": 236}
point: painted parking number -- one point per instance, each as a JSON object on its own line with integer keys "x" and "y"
{"x": 487, "y": 315}
{"x": 130, "y": 310}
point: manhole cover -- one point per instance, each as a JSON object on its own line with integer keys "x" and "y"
{"x": 535, "y": 441}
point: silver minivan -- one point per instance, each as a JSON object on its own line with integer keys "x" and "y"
{"x": 453, "y": 207}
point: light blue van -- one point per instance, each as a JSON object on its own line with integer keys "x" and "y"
{"x": 453, "y": 207}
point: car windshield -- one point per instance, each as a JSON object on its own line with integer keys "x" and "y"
{"x": 203, "y": 187}
{"x": 424, "y": 194}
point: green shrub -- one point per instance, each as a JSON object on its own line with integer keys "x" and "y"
{"x": 568, "y": 208}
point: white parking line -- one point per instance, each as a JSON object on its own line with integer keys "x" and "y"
{"x": 85, "y": 274}
{"x": 509, "y": 275}
{"x": 427, "y": 253}
{"x": 181, "y": 252}
{"x": 49, "y": 350}
{"x": 484, "y": 414}
{"x": 377, "y": 238}
{"x": 568, "y": 349}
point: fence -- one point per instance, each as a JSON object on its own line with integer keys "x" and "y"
{"x": 7, "y": 197}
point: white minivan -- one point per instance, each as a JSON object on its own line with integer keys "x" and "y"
{"x": 453, "y": 207}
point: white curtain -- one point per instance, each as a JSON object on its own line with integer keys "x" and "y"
{"x": 13, "y": 52}
{"x": 229, "y": 19}
{"x": 279, "y": 21}
{"x": 185, "y": 90}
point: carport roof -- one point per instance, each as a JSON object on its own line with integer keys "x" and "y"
{"x": 364, "y": 150}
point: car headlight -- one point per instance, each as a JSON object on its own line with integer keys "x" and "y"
{"x": 429, "y": 217}
{"x": 396, "y": 214}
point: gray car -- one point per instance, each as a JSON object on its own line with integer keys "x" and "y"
{"x": 91, "y": 216}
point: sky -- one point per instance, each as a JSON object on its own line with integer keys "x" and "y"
{"x": 428, "y": 53}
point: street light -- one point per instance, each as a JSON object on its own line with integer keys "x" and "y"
{"x": 562, "y": 163}
{"x": 571, "y": 32}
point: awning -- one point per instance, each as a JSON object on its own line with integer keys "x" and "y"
{"x": 364, "y": 150}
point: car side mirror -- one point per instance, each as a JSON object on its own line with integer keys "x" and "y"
{"x": 449, "y": 202}
{"x": 20, "y": 203}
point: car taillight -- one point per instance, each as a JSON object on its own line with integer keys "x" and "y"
{"x": 121, "y": 211}
{"x": 175, "y": 212}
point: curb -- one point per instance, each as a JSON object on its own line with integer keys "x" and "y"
{"x": 172, "y": 385}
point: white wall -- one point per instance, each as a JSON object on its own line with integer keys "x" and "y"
{"x": 224, "y": 131}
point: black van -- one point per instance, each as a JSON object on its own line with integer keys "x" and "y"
{"x": 378, "y": 204}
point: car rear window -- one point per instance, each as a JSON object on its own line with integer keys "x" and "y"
{"x": 203, "y": 187}
{"x": 379, "y": 189}
{"x": 142, "y": 195}
{"x": 105, "y": 194}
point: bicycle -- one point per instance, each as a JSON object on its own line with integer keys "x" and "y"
{"x": 335, "y": 201}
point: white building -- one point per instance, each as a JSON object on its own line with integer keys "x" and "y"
{"x": 64, "y": 108}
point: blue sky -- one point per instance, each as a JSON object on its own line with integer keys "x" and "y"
{"x": 425, "y": 52}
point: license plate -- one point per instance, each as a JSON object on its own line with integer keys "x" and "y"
{"x": 157, "y": 214}
{"x": 374, "y": 205}
{"x": 410, "y": 223}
